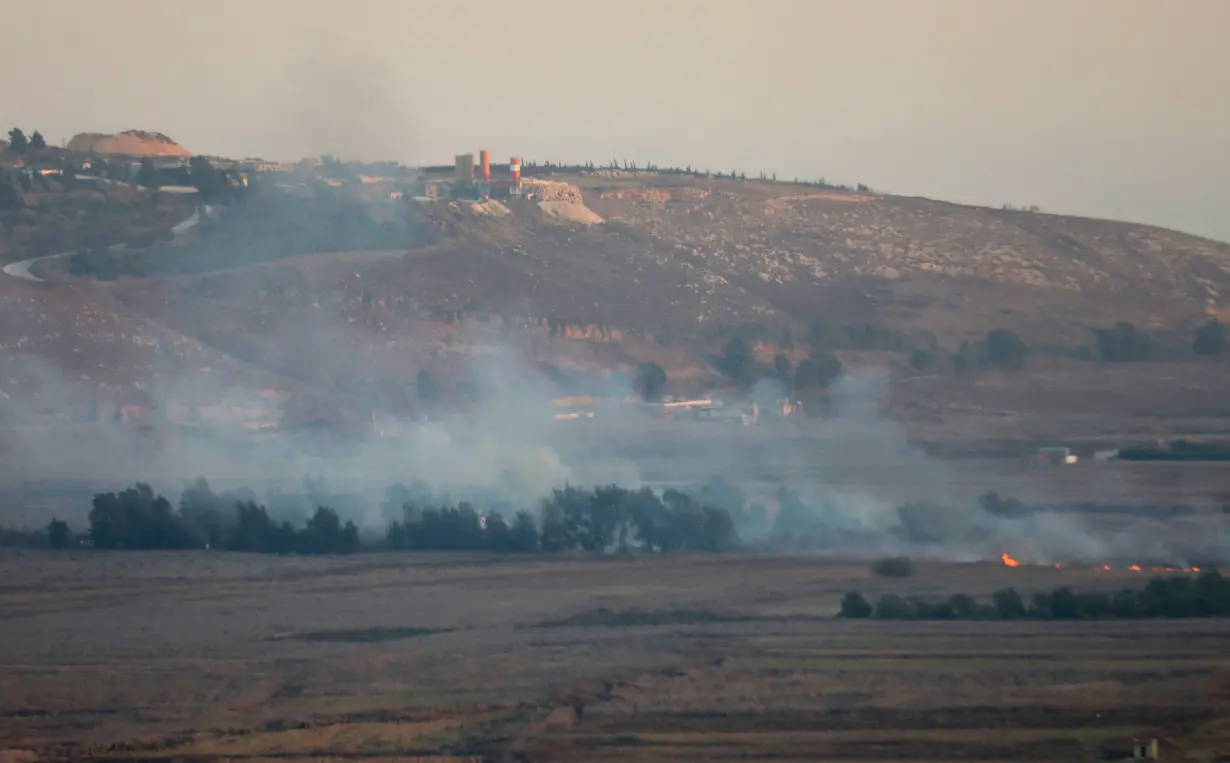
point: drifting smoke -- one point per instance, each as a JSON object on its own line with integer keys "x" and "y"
{"x": 860, "y": 485}
{"x": 342, "y": 103}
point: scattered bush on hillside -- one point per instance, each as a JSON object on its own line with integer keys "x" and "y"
{"x": 923, "y": 359}
{"x": 650, "y": 381}
{"x": 738, "y": 361}
{"x": 783, "y": 370}
{"x": 1005, "y": 350}
{"x": 865, "y": 336}
{"x": 999, "y": 350}
{"x": 1123, "y": 343}
{"x": 1179, "y": 596}
{"x": 894, "y": 567}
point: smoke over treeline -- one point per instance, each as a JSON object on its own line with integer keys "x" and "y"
{"x": 478, "y": 483}
{"x": 712, "y": 518}
{"x": 606, "y": 518}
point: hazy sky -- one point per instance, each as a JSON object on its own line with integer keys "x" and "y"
{"x": 1116, "y": 108}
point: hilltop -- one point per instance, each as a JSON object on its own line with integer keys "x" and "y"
{"x": 127, "y": 143}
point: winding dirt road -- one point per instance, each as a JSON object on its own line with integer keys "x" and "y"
{"x": 22, "y": 269}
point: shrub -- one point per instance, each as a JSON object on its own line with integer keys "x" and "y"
{"x": 894, "y": 567}
{"x": 1009, "y": 604}
{"x": 855, "y": 606}
{"x": 892, "y": 607}
{"x": 923, "y": 359}
{"x": 963, "y": 606}
{"x": 58, "y": 535}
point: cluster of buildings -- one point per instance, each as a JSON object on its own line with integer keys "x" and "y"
{"x": 466, "y": 180}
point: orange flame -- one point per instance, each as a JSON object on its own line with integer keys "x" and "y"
{"x": 1105, "y": 568}
{"x": 1134, "y": 568}
{"x": 1009, "y": 561}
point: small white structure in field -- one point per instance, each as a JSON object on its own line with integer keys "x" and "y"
{"x": 1057, "y": 455}
{"x": 1106, "y": 455}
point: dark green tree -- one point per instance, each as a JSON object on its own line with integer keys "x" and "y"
{"x": 1005, "y": 350}
{"x": 828, "y": 367}
{"x": 781, "y": 366}
{"x": 855, "y": 606}
{"x": 523, "y": 536}
{"x": 923, "y": 359}
{"x": 738, "y": 360}
{"x": 37, "y": 142}
{"x": 18, "y": 142}
{"x": 650, "y": 381}
{"x": 147, "y": 176}
{"x": 57, "y": 533}
{"x": 1123, "y": 343}
{"x": 1009, "y": 604}
{"x": 425, "y": 384}
{"x": 892, "y": 607}
{"x": 10, "y": 192}
{"x": 137, "y": 518}
{"x": 208, "y": 179}
{"x": 1210, "y": 338}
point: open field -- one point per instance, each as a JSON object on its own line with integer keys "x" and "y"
{"x": 213, "y": 656}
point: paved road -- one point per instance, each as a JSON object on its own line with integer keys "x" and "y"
{"x": 22, "y": 269}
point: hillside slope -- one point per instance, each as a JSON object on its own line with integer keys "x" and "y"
{"x": 682, "y": 257}
{"x": 675, "y": 260}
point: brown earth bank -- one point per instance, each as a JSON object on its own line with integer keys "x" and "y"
{"x": 439, "y": 657}
{"x": 126, "y": 143}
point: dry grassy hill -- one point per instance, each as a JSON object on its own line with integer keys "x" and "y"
{"x": 712, "y": 252}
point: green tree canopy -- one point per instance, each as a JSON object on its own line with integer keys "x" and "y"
{"x": 18, "y": 141}
{"x": 1210, "y": 338}
{"x": 650, "y": 381}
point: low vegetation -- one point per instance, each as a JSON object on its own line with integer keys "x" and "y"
{"x": 635, "y": 617}
{"x": 894, "y": 567}
{"x": 1177, "y": 596}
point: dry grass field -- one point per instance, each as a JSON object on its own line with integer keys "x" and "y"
{"x": 201, "y": 656}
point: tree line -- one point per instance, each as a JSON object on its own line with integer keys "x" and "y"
{"x": 998, "y": 350}
{"x": 1177, "y": 596}
{"x": 597, "y": 520}
{"x": 19, "y": 142}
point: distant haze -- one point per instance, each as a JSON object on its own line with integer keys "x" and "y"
{"x": 1113, "y": 108}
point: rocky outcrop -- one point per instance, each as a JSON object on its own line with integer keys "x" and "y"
{"x": 127, "y": 143}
